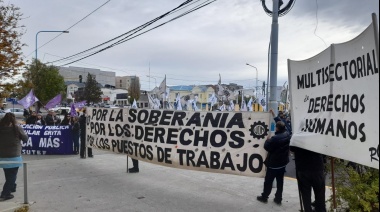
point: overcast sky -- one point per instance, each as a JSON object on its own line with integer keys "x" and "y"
{"x": 217, "y": 39}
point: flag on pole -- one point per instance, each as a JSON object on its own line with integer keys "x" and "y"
{"x": 222, "y": 108}
{"x": 213, "y": 100}
{"x": 243, "y": 105}
{"x": 162, "y": 88}
{"x": 73, "y": 112}
{"x": 194, "y": 103}
{"x": 80, "y": 105}
{"x": 28, "y": 100}
{"x": 249, "y": 104}
{"x": 134, "y": 104}
{"x": 232, "y": 106}
{"x": 53, "y": 102}
{"x": 262, "y": 101}
{"x": 177, "y": 104}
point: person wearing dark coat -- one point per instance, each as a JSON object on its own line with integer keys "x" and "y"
{"x": 76, "y": 134}
{"x": 40, "y": 120}
{"x": 278, "y": 157}
{"x": 66, "y": 120}
{"x": 310, "y": 175}
{"x": 82, "y": 124}
{"x": 32, "y": 119}
{"x": 51, "y": 119}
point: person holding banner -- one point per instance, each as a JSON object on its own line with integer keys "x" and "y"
{"x": 82, "y": 124}
{"x": 310, "y": 175}
{"x": 32, "y": 119}
{"x": 281, "y": 117}
{"x": 276, "y": 161}
{"x": 40, "y": 120}
{"x": 76, "y": 133}
{"x": 51, "y": 119}
{"x": 10, "y": 150}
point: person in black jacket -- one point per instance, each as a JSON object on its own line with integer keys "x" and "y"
{"x": 310, "y": 175}
{"x": 82, "y": 124}
{"x": 277, "y": 158}
{"x": 32, "y": 119}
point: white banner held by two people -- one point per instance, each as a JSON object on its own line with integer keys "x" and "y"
{"x": 220, "y": 142}
{"x": 335, "y": 100}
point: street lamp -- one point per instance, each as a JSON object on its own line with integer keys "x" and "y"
{"x": 257, "y": 74}
{"x": 47, "y": 31}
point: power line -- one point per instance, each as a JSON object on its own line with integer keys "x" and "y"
{"x": 70, "y": 27}
{"x": 135, "y": 29}
{"x": 131, "y": 36}
{"x": 316, "y": 26}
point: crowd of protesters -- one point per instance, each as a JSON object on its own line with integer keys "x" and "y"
{"x": 51, "y": 119}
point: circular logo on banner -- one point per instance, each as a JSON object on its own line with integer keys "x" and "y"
{"x": 259, "y": 130}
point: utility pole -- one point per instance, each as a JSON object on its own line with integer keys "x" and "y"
{"x": 274, "y": 59}
{"x": 275, "y": 13}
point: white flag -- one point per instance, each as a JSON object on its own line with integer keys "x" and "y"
{"x": 262, "y": 101}
{"x": 232, "y": 106}
{"x": 243, "y": 105}
{"x": 162, "y": 88}
{"x": 249, "y": 104}
{"x": 157, "y": 104}
{"x": 222, "y": 108}
{"x": 134, "y": 104}
{"x": 178, "y": 104}
{"x": 213, "y": 100}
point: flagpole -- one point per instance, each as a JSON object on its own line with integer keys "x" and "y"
{"x": 165, "y": 94}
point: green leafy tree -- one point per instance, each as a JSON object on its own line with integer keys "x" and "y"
{"x": 10, "y": 45}
{"x": 134, "y": 89}
{"x": 357, "y": 187}
{"x": 10, "y": 35}
{"x": 91, "y": 91}
{"x": 45, "y": 81}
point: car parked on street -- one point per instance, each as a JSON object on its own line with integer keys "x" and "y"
{"x": 19, "y": 112}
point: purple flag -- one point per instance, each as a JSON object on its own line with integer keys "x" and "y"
{"x": 80, "y": 105}
{"x": 28, "y": 100}
{"x": 73, "y": 112}
{"x": 54, "y": 101}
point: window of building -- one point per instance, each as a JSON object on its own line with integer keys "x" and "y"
{"x": 146, "y": 104}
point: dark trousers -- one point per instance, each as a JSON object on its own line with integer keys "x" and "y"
{"x": 315, "y": 180}
{"x": 83, "y": 147}
{"x": 135, "y": 163}
{"x": 76, "y": 142}
{"x": 272, "y": 174}
{"x": 10, "y": 181}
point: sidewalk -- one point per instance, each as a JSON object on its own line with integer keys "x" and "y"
{"x": 67, "y": 183}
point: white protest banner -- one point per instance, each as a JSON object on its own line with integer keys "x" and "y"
{"x": 220, "y": 142}
{"x": 335, "y": 100}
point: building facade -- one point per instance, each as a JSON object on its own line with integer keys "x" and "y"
{"x": 79, "y": 74}
{"x": 124, "y": 82}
